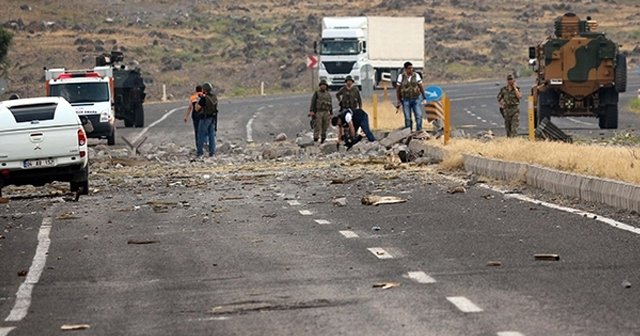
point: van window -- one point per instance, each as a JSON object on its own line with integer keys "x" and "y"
{"x": 28, "y": 113}
{"x": 81, "y": 92}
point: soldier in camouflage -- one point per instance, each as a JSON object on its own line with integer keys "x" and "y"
{"x": 509, "y": 100}
{"x": 349, "y": 96}
{"x": 321, "y": 110}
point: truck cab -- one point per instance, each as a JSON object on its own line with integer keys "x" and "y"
{"x": 91, "y": 93}
{"x": 343, "y": 50}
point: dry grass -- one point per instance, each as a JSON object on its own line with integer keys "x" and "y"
{"x": 634, "y": 106}
{"x": 388, "y": 117}
{"x": 614, "y": 162}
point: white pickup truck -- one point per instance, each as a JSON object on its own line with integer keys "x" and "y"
{"x": 42, "y": 140}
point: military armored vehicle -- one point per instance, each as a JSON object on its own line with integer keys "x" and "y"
{"x": 128, "y": 89}
{"x": 579, "y": 72}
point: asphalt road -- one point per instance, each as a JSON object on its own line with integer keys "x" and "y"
{"x": 265, "y": 252}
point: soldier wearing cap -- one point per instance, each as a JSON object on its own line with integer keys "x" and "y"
{"x": 349, "y": 96}
{"x": 321, "y": 110}
{"x": 509, "y": 101}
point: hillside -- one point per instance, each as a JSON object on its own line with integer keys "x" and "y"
{"x": 238, "y": 44}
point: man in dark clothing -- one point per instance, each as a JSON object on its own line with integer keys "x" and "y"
{"x": 348, "y": 123}
{"x": 193, "y": 100}
{"x": 207, "y": 108}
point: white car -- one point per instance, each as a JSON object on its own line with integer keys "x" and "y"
{"x": 42, "y": 140}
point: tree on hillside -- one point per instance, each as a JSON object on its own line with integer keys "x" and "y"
{"x": 5, "y": 41}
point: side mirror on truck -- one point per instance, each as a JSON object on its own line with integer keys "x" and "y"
{"x": 315, "y": 47}
{"x": 532, "y": 53}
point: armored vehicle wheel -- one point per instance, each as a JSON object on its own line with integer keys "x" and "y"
{"x": 621, "y": 73}
{"x": 111, "y": 139}
{"x": 609, "y": 120}
{"x": 128, "y": 122}
{"x": 139, "y": 115}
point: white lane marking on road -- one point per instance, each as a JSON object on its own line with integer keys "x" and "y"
{"x": 494, "y": 124}
{"x": 479, "y": 118}
{"x": 6, "y": 331}
{"x": 250, "y": 123}
{"x": 484, "y": 121}
{"x": 483, "y": 105}
{"x": 146, "y": 129}
{"x": 293, "y": 202}
{"x": 306, "y": 212}
{"x": 612, "y": 222}
{"x": 380, "y": 253}
{"x": 581, "y": 122}
{"x": 349, "y": 234}
{"x": 23, "y": 296}
{"x": 421, "y": 277}
{"x": 464, "y": 305}
{"x": 510, "y": 333}
{"x": 322, "y": 221}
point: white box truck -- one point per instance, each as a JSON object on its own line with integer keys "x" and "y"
{"x": 350, "y": 45}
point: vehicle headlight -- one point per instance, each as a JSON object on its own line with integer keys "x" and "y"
{"x": 104, "y": 116}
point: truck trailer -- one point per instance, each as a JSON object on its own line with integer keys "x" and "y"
{"x": 351, "y": 45}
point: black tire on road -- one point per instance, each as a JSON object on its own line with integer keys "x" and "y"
{"x": 621, "y": 73}
{"x": 139, "y": 115}
{"x": 82, "y": 183}
{"x": 610, "y": 120}
{"x": 128, "y": 122}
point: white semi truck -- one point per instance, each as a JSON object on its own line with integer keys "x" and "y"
{"x": 351, "y": 45}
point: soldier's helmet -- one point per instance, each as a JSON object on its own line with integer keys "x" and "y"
{"x": 323, "y": 82}
{"x": 348, "y": 78}
{"x": 207, "y": 87}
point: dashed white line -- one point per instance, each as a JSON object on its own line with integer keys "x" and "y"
{"x": 580, "y": 122}
{"x": 380, "y": 253}
{"x": 494, "y": 124}
{"x": 293, "y": 203}
{"x": 464, "y": 305}
{"x": 6, "y": 331}
{"x": 250, "y": 124}
{"x": 479, "y": 118}
{"x": 420, "y": 277}
{"x": 322, "y": 221}
{"x": 306, "y": 212}
{"x": 349, "y": 234}
{"x": 484, "y": 121}
{"x": 510, "y": 333}
{"x": 23, "y": 296}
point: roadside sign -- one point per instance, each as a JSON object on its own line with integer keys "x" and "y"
{"x": 312, "y": 61}
{"x": 433, "y": 93}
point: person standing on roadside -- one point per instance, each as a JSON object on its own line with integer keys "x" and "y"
{"x": 207, "y": 108}
{"x": 408, "y": 91}
{"x": 321, "y": 109}
{"x": 193, "y": 100}
{"x": 509, "y": 101}
{"x": 349, "y": 96}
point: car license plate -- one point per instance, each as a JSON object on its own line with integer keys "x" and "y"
{"x": 38, "y": 163}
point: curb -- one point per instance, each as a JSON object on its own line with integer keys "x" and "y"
{"x": 592, "y": 189}
{"x": 617, "y": 194}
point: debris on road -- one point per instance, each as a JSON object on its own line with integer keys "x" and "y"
{"x": 375, "y": 228}
{"x": 457, "y": 190}
{"x": 488, "y": 196}
{"x": 393, "y": 162}
{"x": 346, "y": 180}
{"x": 546, "y": 256}
{"x": 2, "y": 237}
{"x": 377, "y": 200}
{"x": 626, "y": 284}
{"x": 161, "y": 206}
{"x": 4, "y": 200}
{"x": 281, "y": 137}
{"x": 68, "y": 216}
{"x": 386, "y": 285}
{"x": 341, "y": 202}
{"x": 494, "y": 263}
{"x": 230, "y": 198}
{"x": 22, "y": 273}
{"x": 273, "y": 215}
{"x": 71, "y": 327}
{"x": 141, "y": 242}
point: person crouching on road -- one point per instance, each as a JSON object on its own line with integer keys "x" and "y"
{"x": 509, "y": 100}
{"x": 349, "y": 96}
{"x": 193, "y": 100}
{"x": 408, "y": 91}
{"x": 207, "y": 108}
{"x": 349, "y": 122}
{"x": 321, "y": 109}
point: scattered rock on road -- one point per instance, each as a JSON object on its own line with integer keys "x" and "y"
{"x": 341, "y": 202}
{"x": 71, "y": 327}
{"x": 281, "y": 137}
{"x": 377, "y": 200}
